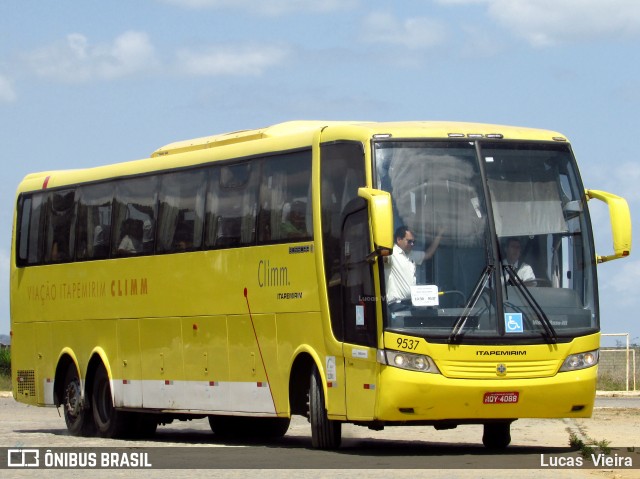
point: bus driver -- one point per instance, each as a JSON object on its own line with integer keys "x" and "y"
{"x": 400, "y": 267}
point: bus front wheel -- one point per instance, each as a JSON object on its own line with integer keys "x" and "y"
{"x": 76, "y": 416}
{"x": 497, "y": 435}
{"x": 109, "y": 421}
{"x": 325, "y": 433}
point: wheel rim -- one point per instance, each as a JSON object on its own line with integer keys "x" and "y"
{"x": 72, "y": 399}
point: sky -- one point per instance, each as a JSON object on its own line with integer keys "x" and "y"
{"x": 88, "y": 83}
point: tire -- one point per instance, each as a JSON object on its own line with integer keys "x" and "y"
{"x": 325, "y": 433}
{"x": 497, "y": 435}
{"x": 226, "y": 426}
{"x": 109, "y": 421}
{"x": 272, "y": 427}
{"x": 77, "y": 417}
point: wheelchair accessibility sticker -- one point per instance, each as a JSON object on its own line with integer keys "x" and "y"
{"x": 513, "y": 323}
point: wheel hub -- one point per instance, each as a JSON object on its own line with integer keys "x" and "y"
{"x": 73, "y": 399}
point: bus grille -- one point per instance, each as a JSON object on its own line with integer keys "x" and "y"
{"x": 26, "y": 379}
{"x": 489, "y": 370}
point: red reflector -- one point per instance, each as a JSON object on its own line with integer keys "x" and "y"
{"x": 625, "y": 253}
{"x": 45, "y": 182}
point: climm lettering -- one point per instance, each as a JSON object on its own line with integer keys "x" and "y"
{"x": 272, "y": 275}
{"x": 129, "y": 287}
{"x": 501, "y": 353}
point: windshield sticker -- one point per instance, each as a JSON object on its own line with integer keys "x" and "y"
{"x": 424, "y": 295}
{"x": 359, "y": 315}
{"x": 513, "y": 323}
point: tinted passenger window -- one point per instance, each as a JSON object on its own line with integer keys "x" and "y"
{"x": 60, "y": 230}
{"x": 31, "y": 229}
{"x": 94, "y": 221}
{"x": 135, "y": 216}
{"x": 231, "y": 205}
{"x": 181, "y": 213}
{"x": 285, "y": 208}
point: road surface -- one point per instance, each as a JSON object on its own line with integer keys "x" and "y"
{"x": 399, "y": 452}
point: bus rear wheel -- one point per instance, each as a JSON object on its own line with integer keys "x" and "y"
{"x": 109, "y": 421}
{"x": 325, "y": 433}
{"x": 76, "y": 416}
{"x": 497, "y": 435}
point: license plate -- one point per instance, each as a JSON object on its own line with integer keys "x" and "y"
{"x": 501, "y": 398}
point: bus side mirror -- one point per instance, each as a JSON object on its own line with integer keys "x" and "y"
{"x": 381, "y": 214}
{"x": 620, "y": 223}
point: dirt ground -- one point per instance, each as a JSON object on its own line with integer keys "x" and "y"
{"x": 616, "y": 423}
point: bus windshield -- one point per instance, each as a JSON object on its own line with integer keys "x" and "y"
{"x": 490, "y": 241}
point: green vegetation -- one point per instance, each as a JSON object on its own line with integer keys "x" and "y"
{"x": 612, "y": 370}
{"x": 611, "y": 382}
{"x": 590, "y": 447}
{"x": 5, "y": 369}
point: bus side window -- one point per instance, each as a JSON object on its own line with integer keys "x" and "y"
{"x": 341, "y": 172}
{"x": 135, "y": 216}
{"x": 181, "y": 211}
{"x": 285, "y": 209}
{"x": 232, "y": 205}
{"x": 94, "y": 221}
{"x": 29, "y": 248}
{"x": 60, "y": 229}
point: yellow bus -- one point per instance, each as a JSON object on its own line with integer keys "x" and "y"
{"x": 251, "y": 276}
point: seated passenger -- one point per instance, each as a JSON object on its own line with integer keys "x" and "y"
{"x": 131, "y": 242}
{"x": 294, "y": 224}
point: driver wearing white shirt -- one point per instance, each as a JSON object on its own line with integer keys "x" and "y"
{"x": 400, "y": 267}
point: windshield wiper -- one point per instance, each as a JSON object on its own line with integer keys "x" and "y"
{"x": 526, "y": 294}
{"x": 473, "y": 299}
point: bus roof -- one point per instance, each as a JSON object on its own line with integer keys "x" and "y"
{"x": 287, "y": 135}
{"x": 429, "y": 129}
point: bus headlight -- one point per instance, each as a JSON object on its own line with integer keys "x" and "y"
{"x": 412, "y": 362}
{"x": 580, "y": 361}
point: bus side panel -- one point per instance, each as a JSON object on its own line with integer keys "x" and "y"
{"x": 161, "y": 362}
{"x": 127, "y": 372}
{"x": 206, "y": 365}
{"x": 24, "y": 363}
{"x": 250, "y": 390}
{"x": 45, "y": 363}
{"x": 299, "y": 332}
{"x": 82, "y": 337}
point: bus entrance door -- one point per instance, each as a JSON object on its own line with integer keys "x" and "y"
{"x": 359, "y": 314}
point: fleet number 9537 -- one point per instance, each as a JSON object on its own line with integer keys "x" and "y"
{"x": 410, "y": 344}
